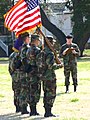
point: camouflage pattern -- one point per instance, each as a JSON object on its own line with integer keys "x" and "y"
{"x": 24, "y": 89}
{"x": 34, "y": 82}
{"x": 16, "y": 85}
{"x": 45, "y": 63}
{"x": 23, "y": 77}
{"x": 70, "y": 63}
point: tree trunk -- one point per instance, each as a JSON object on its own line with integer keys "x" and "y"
{"x": 82, "y": 42}
{"x": 81, "y": 28}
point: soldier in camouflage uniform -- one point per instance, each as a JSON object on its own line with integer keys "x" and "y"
{"x": 45, "y": 63}
{"x": 70, "y": 51}
{"x": 23, "y": 74}
{"x": 34, "y": 82}
{"x": 14, "y": 65}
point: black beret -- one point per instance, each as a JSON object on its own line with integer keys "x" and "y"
{"x": 69, "y": 36}
{"x": 35, "y": 37}
{"x": 24, "y": 35}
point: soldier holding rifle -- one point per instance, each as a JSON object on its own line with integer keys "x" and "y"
{"x": 70, "y": 51}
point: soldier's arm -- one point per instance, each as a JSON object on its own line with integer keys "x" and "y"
{"x": 50, "y": 60}
{"x": 61, "y": 52}
{"x": 76, "y": 52}
{"x": 64, "y": 51}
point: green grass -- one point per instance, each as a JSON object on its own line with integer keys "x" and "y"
{"x": 72, "y": 106}
{"x": 74, "y": 100}
{"x": 1, "y": 96}
{"x": 4, "y": 58}
{"x": 86, "y": 52}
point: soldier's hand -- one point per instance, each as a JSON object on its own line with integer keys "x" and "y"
{"x": 64, "y": 52}
{"x": 74, "y": 52}
{"x": 61, "y": 65}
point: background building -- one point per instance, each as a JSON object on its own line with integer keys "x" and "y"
{"x": 59, "y": 16}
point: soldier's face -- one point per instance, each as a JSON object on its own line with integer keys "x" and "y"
{"x": 27, "y": 41}
{"x": 37, "y": 42}
{"x": 69, "y": 40}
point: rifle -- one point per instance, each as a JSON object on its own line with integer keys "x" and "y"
{"x": 38, "y": 31}
{"x": 69, "y": 50}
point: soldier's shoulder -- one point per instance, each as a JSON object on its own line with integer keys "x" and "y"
{"x": 74, "y": 44}
{"x": 63, "y": 45}
{"x": 37, "y": 48}
{"x": 12, "y": 55}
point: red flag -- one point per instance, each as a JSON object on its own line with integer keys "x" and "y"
{"x": 24, "y": 16}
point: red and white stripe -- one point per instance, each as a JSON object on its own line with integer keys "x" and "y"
{"x": 20, "y": 20}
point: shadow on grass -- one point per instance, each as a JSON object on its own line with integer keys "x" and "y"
{"x": 84, "y": 59}
{"x": 4, "y": 62}
{"x": 18, "y": 116}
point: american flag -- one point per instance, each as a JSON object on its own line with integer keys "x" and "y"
{"x": 24, "y": 16}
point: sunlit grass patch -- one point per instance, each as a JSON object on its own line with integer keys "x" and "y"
{"x": 86, "y": 52}
{"x": 74, "y": 100}
{"x": 1, "y": 96}
{"x": 4, "y": 58}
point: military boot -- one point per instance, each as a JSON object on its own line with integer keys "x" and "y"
{"x": 33, "y": 111}
{"x": 75, "y": 88}
{"x": 67, "y": 89}
{"x": 48, "y": 112}
{"x": 24, "y": 110}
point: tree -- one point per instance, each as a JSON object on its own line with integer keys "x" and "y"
{"x": 81, "y": 20}
{"x": 4, "y": 7}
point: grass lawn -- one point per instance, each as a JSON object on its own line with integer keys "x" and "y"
{"x": 72, "y": 106}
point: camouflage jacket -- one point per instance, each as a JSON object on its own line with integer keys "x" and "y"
{"x": 13, "y": 62}
{"x": 45, "y": 63}
{"x": 31, "y": 58}
{"x": 23, "y": 57}
{"x": 70, "y": 58}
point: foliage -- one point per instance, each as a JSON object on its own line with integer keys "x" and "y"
{"x": 81, "y": 20}
{"x": 4, "y": 7}
{"x": 81, "y": 17}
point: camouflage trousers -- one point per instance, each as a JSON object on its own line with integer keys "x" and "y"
{"x": 49, "y": 88}
{"x": 34, "y": 89}
{"x": 24, "y": 93}
{"x": 73, "y": 70}
{"x": 16, "y": 86}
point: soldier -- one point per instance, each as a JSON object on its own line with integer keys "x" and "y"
{"x": 23, "y": 73}
{"x": 45, "y": 63}
{"x": 70, "y": 51}
{"x": 34, "y": 83}
{"x": 14, "y": 65}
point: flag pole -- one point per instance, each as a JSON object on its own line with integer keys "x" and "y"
{"x": 58, "y": 61}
